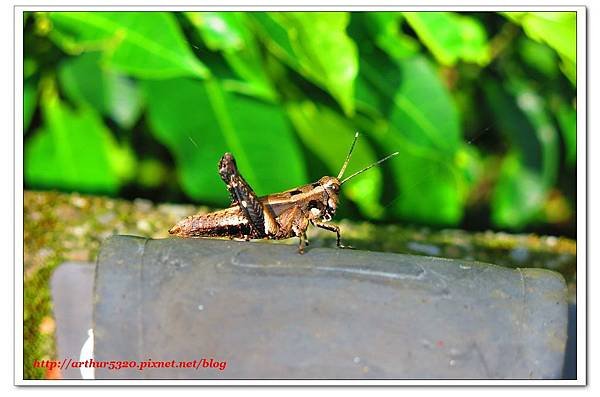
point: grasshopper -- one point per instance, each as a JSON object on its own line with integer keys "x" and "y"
{"x": 276, "y": 216}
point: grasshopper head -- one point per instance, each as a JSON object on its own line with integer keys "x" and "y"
{"x": 331, "y": 186}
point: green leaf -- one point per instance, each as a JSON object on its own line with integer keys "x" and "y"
{"x": 556, "y": 29}
{"x": 533, "y": 105}
{"x": 228, "y": 32}
{"x": 451, "y": 36}
{"x": 29, "y": 103}
{"x": 30, "y": 67}
{"x": 431, "y": 186}
{"x": 329, "y": 136}
{"x": 421, "y": 107}
{"x": 110, "y": 93}
{"x": 384, "y": 27}
{"x": 424, "y": 127}
{"x": 317, "y": 46}
{"x": 75, "y": 151}
{"x": 130, "y": 41}
{"x": 184, "y": 113}
{"x": 521, "y": 115}
{"x": 567, "y": 120}
{"x": 519, "y": 195}
{"x": 220, "y": 30}
{"x": 539, "y": 56}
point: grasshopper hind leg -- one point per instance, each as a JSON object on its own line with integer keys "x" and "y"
{"x": 260, "y": 218}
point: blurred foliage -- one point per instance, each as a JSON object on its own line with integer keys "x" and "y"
{"x": 481, "y": 107}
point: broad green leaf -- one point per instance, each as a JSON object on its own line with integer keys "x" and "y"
{"x": 29, "y": 103}
{"x": 110, "y": 93}
{"x": 385, "y": 28}
{"x": 520, "y": 114}
{"x": 75, "y": 151}
{"x": 556, "y": 29}
{"x": 228, "y": 32}
{"x": 424, "y": 127}
{"x": 317, "y": 46}
{"x": 431, "y": 186}
{"x": 220, "y": 30}
{"x": 533, "y": 105}
{"x": 184, "y": 113}
{"x": 329, "y": 136}
{"x": 519, "y": 195}
{"x": 513, "y": 124}
{"x": 539, "y": 56}
{"x": 451, "y": 36}
{"x": 142, "y": 44}
{"x": 421, "y": 108}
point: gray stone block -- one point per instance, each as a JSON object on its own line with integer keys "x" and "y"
{"x": 270, "y": 313}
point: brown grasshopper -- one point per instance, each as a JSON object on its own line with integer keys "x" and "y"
{"x": 276, "y": 216}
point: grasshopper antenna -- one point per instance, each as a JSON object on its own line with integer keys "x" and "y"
{"x": 348, "y": 157}
{"x": 366, "y": 168}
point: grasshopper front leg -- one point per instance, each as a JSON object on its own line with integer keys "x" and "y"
{"x": 260, "y": 218}
{"x": 305, "y": 239}
{"x": 332, "y": 228}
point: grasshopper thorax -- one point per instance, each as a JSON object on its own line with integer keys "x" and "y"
{"x": 331, "y": 187}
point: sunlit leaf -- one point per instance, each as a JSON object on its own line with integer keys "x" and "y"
{"x": 385, "y": 27}
{"x": 556, "y": 29}
{"x": 220, "y": 30}
{"x": 328, "y": 135}
{"x": 451, "y": 36}
{"x": 184, "y": 113}
{"x": 419, "y": 105}
{"x": 539, "y": 56}
{"x": 110, "y": 93}
{"x": 75, "y": 151}
{"x": 228, "y": 32}
{"x": 131, "y": 42}
{"x": 317, "y": 46}
{"x": 424, "y": 127}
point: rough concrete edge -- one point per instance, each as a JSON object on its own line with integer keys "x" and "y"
{"x": 551, "y": 301}
{"x": 105, "y": 246}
